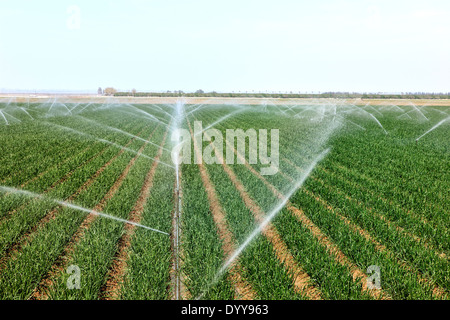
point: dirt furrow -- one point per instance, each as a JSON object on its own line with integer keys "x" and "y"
{"x": 37, "y": 176}
{"x": 437, "y": 291}
{"x": 433, "y": 206}
{"x": 15, "y": 248}
{"x": 243, "y": 289}
{"x": 115, "y": 277}
{"x": 401, "y": 230}
{"x": 60, "y": 181}
{"x": 372, "y": 193}
{"x": 332, "y": 248}
{"x": 302, "y": 281}
{"x": 301, "y": 278}
{"x": 23, "y": 185}
{"x": 47, "y": 282}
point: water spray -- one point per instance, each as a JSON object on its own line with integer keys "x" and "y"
{"x": 433, "y": 128}
{"x": 1, "y": 112}
{"x": 23, "y": 109}
{"x": 269, "y": 217}
{"x": 179, "y": 111}
{"x": 121, "y": 131}
{"x": 76, "y": 207}
{"x": 109, "y": 142}
{"x": 378, "y": 122}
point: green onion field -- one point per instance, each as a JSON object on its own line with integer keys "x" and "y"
{"x": 92, "y": 205}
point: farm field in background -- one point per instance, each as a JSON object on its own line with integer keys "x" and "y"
{"x": 91, "y": 187}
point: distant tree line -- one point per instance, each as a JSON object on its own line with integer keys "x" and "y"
{"x": 407, "y": 95}
{"x": 340, "y": 95}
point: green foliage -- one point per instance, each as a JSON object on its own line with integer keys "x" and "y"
{"x": 389, "y": 186}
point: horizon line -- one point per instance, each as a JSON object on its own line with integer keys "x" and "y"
{"x": 95, "y": 92}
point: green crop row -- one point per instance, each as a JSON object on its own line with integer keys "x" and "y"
{"x": 149, "y": 262}
{"x": 333, "y": 283}
{"x": 438, "y": 267}
{"x": 23, "y": 272}
{"x": 95, "y": 251}
{"x": 202, "y": 251}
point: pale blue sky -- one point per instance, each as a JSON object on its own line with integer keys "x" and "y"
{"x": 232, "y": 45}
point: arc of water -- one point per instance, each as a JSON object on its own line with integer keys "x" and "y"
{"x": 222, "y": 119}
{"x": 404, "y": 115}
{"x": 307, "y": 109}
{"x": 10, "y": 100}
{"x": 120, "y": 131}
{"x": 420, "y": 112}
{"x": 372, "y": 116}
{"x": 1, "y": 112}
{"x": 213, "y": 124}
{"x": 272, "y": 214}
{"x": 433, "y": 128}
{"x": 440, "y": 111}
{"x": 291, "y": 107}
{"x": 76, "y": 207}
{"x": 282, "y": 111}
{"x": 397, "y": 108}
{"x": 11, "y": 116}
{"x": 379, "y": 123}
{"x": 66, "y": 108}
{"x": 155, "y": 105}
{"x": 109, "y": 142}
{"x": 162, "y": 110}
{"x": 197, "y": 108}
{"x": 322, "y": 112}
{"x": 134, "y": 151}
{"x": 53, "y": 103}
{"x": 372, "y": 108}
{"x": 193, "y": 106}
{"x": 146, "y": 113}
{"x": 354, "y": 123}
{"x": 76, "y": 106}
{"x": 85, "y": 107}
{"x": 151, "y": 119}
{"x": 23, "y": 109}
